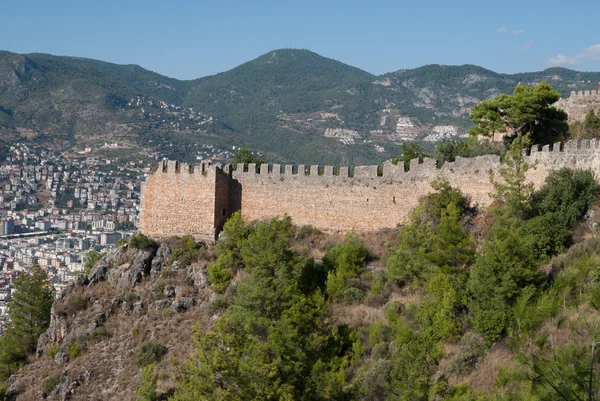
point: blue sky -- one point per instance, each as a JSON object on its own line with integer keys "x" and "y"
{"x": 191, "y": 39}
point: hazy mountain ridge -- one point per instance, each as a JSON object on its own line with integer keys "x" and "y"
{"x": 268, "y": 103}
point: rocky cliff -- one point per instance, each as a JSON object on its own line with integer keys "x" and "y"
{"x": 100, "y": 323}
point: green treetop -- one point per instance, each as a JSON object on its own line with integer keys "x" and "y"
{"x": 244, "y": 155}
{"x": 29, "y": 308}
{"x": 29, "y": 313}
{"x": 528, "y": 109}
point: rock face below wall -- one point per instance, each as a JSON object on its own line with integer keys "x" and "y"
{"x": 368, "y": 198}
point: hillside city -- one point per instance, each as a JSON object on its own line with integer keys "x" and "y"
{"x": 54, "y": 210}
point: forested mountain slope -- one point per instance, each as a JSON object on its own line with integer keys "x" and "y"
{"x": 293, "y": 105}
{"x": 460, "y": 303}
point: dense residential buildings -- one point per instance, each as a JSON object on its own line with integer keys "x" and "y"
{"x": 54, "y": 209}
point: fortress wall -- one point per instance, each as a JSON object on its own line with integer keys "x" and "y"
{"x": 334, "y": 201}
{"x": 370, "y": 200}
{"x": 579, "y": 104}
{"x": 585, "y": 94}
{"x": 224, "y": 207}
{"x": 365, "y": 198}
{"x": 583, "y": 155}
{"x": 178, "y": 200}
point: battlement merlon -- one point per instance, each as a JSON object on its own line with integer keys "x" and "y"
{"x": 416, "y": 167}
{"x": 171, "y": 167}
{"x": 585, "y": 94}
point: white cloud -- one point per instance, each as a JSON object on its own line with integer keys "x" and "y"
{"x": 527, "y": 46}
{"x": 591, "y": 53}
{"x": 560, "y": 61}
{"x": 505, "y": 29}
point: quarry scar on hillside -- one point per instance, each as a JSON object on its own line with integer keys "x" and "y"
{"x": 179, "y": 199}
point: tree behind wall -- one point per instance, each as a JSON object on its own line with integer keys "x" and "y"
{"x": 528, "y": 109}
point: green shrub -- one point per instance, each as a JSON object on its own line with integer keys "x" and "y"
{"x": 434, "y": 238}
{"x": 219, "y": 273}
{"x": 148, "y": 383}
{"x": 472, "y": 348}
{"x": 90, "y": 259}
{"x": 447, "y": 151}
{"x": 130, "y": 297}
{"x": 75, "y": 303}
{"x": 140, "y": 241}
{"x": 335, "y": 284}
{"x": 149, "y": 352}
{"x": 50, "y": 383}
{"x": 377, "y": 283}
{"x": 574, "y": 254}
{"x": 352, "y": 295}
{"x": 376, "y": 382}
{"x": 167, "y": 273}
{"x": 306, "y": 231}
{"x": 380, "y": 350}
{"x": 567, "y": 194}
{"x": 229, "y": 258}
{"x": 394, "y": 310}
{"x": 219, "y": 304}
{"x": 379, "y": 332}
{"x": 344, "y": 263}
{"x": 442, "y": 308}
{"x": 74, "y": 349}
{"x": 491, "y": 323}
{"x": 52, "y": 351}
{"x": 188, "y": 251}
{"x": 98, "y": 333}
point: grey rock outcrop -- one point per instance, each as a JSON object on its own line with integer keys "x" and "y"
{"x": 55, "y": 333}
{"x": 182, "y": 304}
{"x": 66, "y": 388}
{"x": 127, "y": 275}
{"x": 160, "y": 260}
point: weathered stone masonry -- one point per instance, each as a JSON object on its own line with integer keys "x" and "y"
{"x": 579, "y": 104}
{"x": 179, "y": 199}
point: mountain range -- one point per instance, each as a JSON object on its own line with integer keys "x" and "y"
{"x": 290, "y": 105}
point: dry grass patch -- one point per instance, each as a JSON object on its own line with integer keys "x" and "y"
{"x": 485, "y": 374}
{"x": 240, "y": 276}
{"x": 412, "y": 298}
{"x": 356, "y": 315}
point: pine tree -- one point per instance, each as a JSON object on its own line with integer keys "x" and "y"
{"x": 29, "y": 307}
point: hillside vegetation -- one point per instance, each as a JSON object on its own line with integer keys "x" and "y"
{"x": 458, "y": 304}
{"x": 279, "y": 104}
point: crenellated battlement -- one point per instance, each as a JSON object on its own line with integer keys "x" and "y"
{"x": 389, "y": 170}
{"x": 585, "y": 94}
{"x": 183, "y": 199}
{"x": 427, "y": 166}
{"x": 175, "y": 167}
{"x": 579, "y": 104}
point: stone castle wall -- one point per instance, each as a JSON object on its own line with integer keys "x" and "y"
{"x": 182, "y": 199}
{"x": 578, "y": 105}
{"x": 177, "y": 202}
